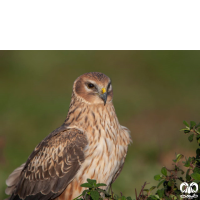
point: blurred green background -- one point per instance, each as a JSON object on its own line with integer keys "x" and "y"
{"x": 154, "y": 91}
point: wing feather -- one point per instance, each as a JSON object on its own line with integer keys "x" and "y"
{"x": 51, "y": 166}
{"x": 119, "y": 170}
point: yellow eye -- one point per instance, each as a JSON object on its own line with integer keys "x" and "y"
{"x": 90, "y": 85}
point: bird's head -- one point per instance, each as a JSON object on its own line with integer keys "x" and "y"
{"x": 93, "y": 88}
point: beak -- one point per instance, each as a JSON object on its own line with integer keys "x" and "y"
{"x": 103, "y": 95}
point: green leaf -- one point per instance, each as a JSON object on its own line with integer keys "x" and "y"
{"x": 184, "y": 122}
{"x": 178, "y": 158}
{"x": 153, "y": 197}
{"x": 198, "y": 152}
{"x": 172, "y": 197}
{"x": 197, "y": 170}
{"x": 198, "y": 125}
{"x": 195, "y": 176}
{"x": 157, "y": 177}
{"x": 197, "y": 136}
{"x": 187, "y": 163}
{"x": 170, "y": 183}
{"x": 129, "y": 198}
{"x": 187, "y": 175}
{"x": 91, "y": 181}
{"x": 123, "y": 198}
{"x": 196, "y": 181}
{"x": 186, "y": 131}
{"x": 86, "y": 185}
{"x": 84, "y": 192}
{"x": 100, "y": 184}
{"x": 161, "y": 192}
{"x": 116, "y": 196}
{"x": 192, "y": 124}
{"x": 94, "y": 194}
{"x": 190, "y": 138}
{"x": 164, "y": 171}
{"x": 161, "y": 182}
{"x": 177, "y": 192}
{"x": 152, "y": 188}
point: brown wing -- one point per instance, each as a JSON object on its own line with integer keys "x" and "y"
{"x": 118, "y": 172}
{"x": 52, "y": 166}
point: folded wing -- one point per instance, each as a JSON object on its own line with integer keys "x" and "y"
{"x": 50, "y": 168}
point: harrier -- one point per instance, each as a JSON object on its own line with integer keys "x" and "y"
{"x": 90, "y": 144}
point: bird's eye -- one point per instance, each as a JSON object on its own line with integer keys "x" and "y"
{"x": 90, "y": 85}
{"x": 109, "y": 86}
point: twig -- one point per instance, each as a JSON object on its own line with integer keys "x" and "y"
{"x": 142, "y": 188}
{"x": 136, "y": 194}
{"x": 141, "y": 191}
{"x": 111, "y": 191}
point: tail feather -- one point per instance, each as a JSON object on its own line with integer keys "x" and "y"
{"x": 13, "y": 180}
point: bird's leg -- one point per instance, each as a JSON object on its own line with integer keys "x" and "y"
{"x": 110, "y": 190}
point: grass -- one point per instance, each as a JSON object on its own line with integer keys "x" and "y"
{"x": 154, "y": 91}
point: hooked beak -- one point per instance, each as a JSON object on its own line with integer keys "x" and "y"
{"x": 103, "y": 95}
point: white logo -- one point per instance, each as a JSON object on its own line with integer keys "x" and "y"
{"x": 186, "y": 188}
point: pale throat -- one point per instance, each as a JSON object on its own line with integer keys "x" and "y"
{"x": 93, "y": 117}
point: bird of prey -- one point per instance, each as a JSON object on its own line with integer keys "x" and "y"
{"x": 90, "y": 144}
